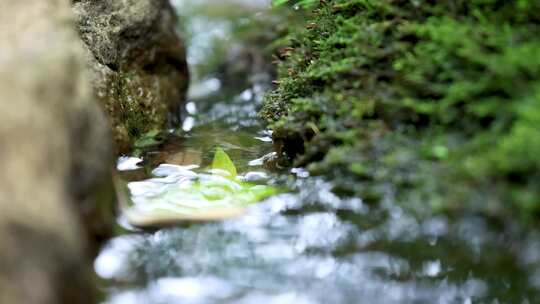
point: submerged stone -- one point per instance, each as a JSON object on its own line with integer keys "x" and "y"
{"x": 177, "y": 194}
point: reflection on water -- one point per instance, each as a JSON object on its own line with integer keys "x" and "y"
{"x": 312, "y": 247}
{"x": 309, "y": 245}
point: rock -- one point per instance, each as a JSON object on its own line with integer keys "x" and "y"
{"x": 55, "y": 157}
{"x": 137, "y": 62}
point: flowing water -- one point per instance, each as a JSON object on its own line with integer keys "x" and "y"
{"x": 307, "y": 245}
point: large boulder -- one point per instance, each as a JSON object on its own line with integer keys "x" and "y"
{"x": 55, "y": 158}
{"x": 137, "y": 62}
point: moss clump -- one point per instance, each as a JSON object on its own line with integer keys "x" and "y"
{"x": 136, "y": 102}
{"x": 440, "y": 100}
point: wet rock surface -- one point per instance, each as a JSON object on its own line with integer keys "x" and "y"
{"x": 54, "y": 155}
{"x": 137, "y": 62}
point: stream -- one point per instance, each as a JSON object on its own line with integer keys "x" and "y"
{"x": 305, "y": 245}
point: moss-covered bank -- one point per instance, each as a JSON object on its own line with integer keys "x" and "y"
{"x": 440, "y": 100}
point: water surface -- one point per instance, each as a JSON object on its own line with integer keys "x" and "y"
{"x": 307, "y": 245}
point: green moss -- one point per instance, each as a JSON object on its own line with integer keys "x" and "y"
{"x": 138, "y": 102}
{"x": 441, "y": 101}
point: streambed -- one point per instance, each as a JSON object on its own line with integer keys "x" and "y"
{"x": 306, "y": 245}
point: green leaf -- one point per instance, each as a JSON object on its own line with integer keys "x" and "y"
{"x": 148, "y": 139}
{"x": 302, "y": 3}
{"x": 280, "y": 2}
{"x": 206, "y": 197}
{"x": 222, "y": 161}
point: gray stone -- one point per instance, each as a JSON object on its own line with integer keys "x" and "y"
{"x": 55, "y": 158}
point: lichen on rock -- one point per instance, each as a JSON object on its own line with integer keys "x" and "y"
{"x": 137, "y": 61}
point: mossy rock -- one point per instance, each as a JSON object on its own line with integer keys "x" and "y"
{"x": 138, "y": 64}
{"x": 440, "y": 100}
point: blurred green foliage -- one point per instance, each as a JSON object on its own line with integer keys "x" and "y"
{"x": 438, "y": 99}
{"x": 301, "y": 3}
{"x": 228, "y": 42}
